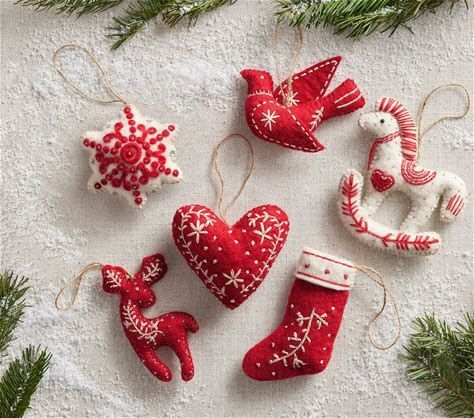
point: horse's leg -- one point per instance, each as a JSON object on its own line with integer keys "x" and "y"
{"x": 372, "y": 200}
{"x": 181, "y": 349}
{"x": 421, "y": 210}
{"x": 155, "y": 365}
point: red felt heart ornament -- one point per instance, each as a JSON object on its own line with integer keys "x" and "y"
{"x": 381, "y": 180}
{"x": 232, "y": 261}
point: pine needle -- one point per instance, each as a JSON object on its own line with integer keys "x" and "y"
{"x": 21, "y": 380}
{"x": 69, "y": 7}
{"x": 12, "y": 306}
{"x": 441, "y": 359}
{"x": 357, "y": 18}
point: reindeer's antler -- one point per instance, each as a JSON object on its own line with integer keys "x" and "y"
{"x": 153, "y": 269}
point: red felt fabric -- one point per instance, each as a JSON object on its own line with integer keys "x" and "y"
{"x": 292, "y": 124}
{"x": 303, "y": 342}
{"x": 232, "y": 261}
{"x": 147, "y": 334}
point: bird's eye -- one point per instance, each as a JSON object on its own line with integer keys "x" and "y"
{"x": 382, "y": 120}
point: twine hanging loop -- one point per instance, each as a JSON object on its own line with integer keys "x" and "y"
{"x": 377, "y": 278}
{"x": 76, "y": 282}
{"x": 116, "y": 98}
{"x": 288, "y": 95}
{"x": 422, "y": 132}
{"x": 215, "y": 163}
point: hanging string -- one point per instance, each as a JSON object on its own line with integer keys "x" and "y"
{"x": 296, "y": 57}
{"x": 376, "y": 277}
{"x": 448, "y": 117}
{"x": 105, "y": 79}
{"x": 215, "y": 163}
{"x": 76, "y": 281}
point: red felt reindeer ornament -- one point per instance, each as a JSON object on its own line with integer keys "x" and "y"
{"x": 147, "y": 334}
{"x": 289, "y": 114}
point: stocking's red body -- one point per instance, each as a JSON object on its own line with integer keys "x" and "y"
{"x": 289, "y": 117}
{"x": 303, "y": 342}
{"x": 148, "y": 334}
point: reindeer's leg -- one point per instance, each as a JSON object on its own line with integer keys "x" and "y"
{"x": 372, "y": 200}
{"x": 181, "y": 349}
{"x": 155, "y": 365}
{"x": 421, "y": 210}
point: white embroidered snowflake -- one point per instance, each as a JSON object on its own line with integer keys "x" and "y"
{"x": 269, "y": 118}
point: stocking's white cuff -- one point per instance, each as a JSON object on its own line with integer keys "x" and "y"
{"x": 325, "y": 270}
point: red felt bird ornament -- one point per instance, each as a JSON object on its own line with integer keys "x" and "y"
{"x": 289, "y": 114}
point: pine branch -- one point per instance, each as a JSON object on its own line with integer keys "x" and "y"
{"x": 442, "y": 361}
{"x": 135, "y": 19}
{"x": 21, "y": 380}
{"x": 137, "y": 16}
{"x": 357, "y": 18}
{"x": 12, "y": 306}
{"x": 69, "y": 7}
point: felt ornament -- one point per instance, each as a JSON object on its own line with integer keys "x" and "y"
{"x": 289, "y": 114}
{"x": 132, "y": 156}
{"x": 145, "y": 334}
{"x": 393, "y": 166}
{"x": 231, "y": 260}
{"x": 302, "y": 344}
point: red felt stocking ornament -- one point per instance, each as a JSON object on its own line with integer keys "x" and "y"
{"x": 303, "y": 342}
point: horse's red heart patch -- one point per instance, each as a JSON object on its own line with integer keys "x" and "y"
{"x": 381, "y": 180}
{"x": 232, "y": 261}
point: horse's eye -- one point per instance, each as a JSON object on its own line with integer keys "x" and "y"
{"x": 382, "y": 120}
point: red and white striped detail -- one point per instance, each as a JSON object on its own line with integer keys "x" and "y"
{"x": 415, "y": 175}
{"x": 354, "y": 93}
{"x": 408, "y": 129}
{"x": 455, "y": 204}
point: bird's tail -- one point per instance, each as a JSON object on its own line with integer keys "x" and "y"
{"x": 344, "y": 99}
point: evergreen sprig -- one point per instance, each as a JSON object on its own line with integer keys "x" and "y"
{"x": 138, "y": 15}
{"x": 69, "y": 7}
{"x": 441, "y": 359}
{"x": 12, "y": 306}
{"x": 357, "y": 18}
{"x": 21, "y": 380}
{"x": 24, "y": 373}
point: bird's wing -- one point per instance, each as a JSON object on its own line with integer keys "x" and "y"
{"x": 309, "y": 84}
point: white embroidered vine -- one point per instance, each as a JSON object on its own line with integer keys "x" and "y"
{"x": 297, "y": 341}
{"x": 150, "y": 271}
{"x": 147, "y": 330}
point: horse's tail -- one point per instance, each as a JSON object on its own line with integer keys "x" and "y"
{"x": 454, "y": 197}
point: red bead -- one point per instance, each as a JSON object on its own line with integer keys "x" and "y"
{"x": 131, "y": 122}
{"x": 135, "y": 186}
{"x": 143, "y": 180}
{"x": 107, "y": 138}
{"x": 106, "y": 149}
{"x": 132, "y": 137}
{"x": 168, "y": 171}
{"x": 133, "y": 129}
{"x": 136, "y": 193}
{"x": 147, "y": 160}
{"x": 115, "y": 172}
{"x": 162, "y": 159}
{"x": 98, "y": 147}
{"x": 141, "y": 127}
{"x": 133, "y": 169}
{"x": 161, "y": 168}
{"x": 175, "y": 173}
{"x": 98, "y": 186}
{"x": 120, "y": 166}
{"x": 138, "y": 200}
{"x": 116, "y": 182}
{"x": 102, "y": 168}
{"x": 114, "y": 150}
{"x": 86, "y": 142}
{"x": 99, "y": 156}
{"x": 127, "y": 185}
{"x": 154, "y": 164}
{"x": 346, "y": 276}
{"x": 154, "y": 174}
{"x": 108, "y": 177}
{"x": 104, "y": 181}
{"x": 165, "y": 133}
{"x": 152, "y": 131}
{"x": 153, "y": 141}
{"x": 159, "y": 137}
{"x": 134, "y": 178}
{"x": 92, "y": 144}
{"x": 118, "y": 144}
{"x": 326, "y": 271}
{"x": 118, "y": 126}
{"x": 127, "y": 110}
{"x": 171, "y": 128}
{"x": 129, "y": 115}
{"x": 146, "y": 145}
{"x": 140, "y": 165}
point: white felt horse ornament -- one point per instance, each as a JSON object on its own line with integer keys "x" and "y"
{"x": 392, "y": 166}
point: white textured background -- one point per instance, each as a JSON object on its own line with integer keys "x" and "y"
{"x": 52, "y": 226}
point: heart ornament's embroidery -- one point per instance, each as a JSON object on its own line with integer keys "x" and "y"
{"x": 232, "y": 261}
{"x": 381, "y": 180}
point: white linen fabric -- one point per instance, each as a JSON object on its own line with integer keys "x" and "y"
{"x": 52, "y": 225}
